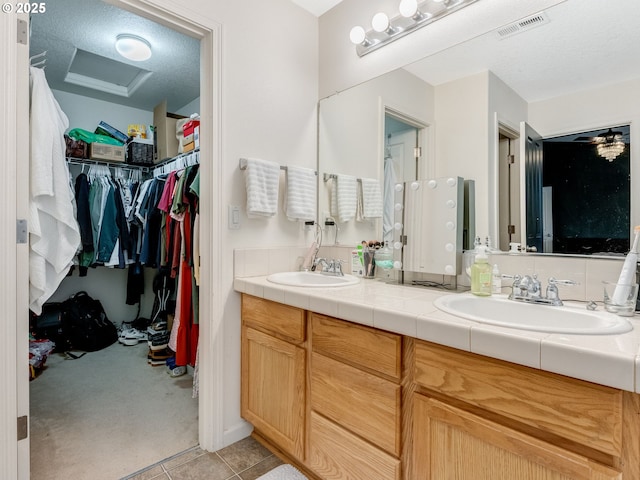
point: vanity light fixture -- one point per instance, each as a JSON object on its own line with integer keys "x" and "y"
{"x": 133, "y": 47}
{"x": 412, "y": 17}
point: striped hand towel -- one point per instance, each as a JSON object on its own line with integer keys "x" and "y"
{"x": 369, "y": 199}
{"x": 346, "y": 197}
{"x": 300, "y": 194}
{"x": 262, "y": 178}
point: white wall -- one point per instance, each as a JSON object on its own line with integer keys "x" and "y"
{"x": 462, "y": 137}
{"x": 86, "y": 113}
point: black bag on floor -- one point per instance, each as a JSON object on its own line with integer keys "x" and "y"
{"x": 48, "y": 325}
{"x": 85, "y": 324}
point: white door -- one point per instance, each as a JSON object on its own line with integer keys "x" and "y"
{"x": 14, "y": 286}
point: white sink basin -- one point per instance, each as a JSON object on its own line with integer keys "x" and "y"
{"x": 499, "y": 310}
{"x": 312, "y": 279}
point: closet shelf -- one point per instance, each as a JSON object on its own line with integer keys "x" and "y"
{"x": 125, "y": 166}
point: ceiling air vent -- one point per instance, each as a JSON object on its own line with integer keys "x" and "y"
{"x": 523, "y": 25}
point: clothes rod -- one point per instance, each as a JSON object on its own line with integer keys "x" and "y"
{"x": 86, "y": 161}
{"x": 243, "y": 165}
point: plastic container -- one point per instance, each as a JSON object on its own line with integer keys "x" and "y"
{"x": 481, "y": 273}
{"x": 496, "y": 280}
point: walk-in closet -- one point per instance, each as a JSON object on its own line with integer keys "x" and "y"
{"x": 110, "y": 412}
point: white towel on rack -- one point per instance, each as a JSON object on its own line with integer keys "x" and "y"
{"x": 344, "y": 197}
{"x": 262, "y": 179}
{"x": 369, "y": 199}
{"x": 300, "y": 194}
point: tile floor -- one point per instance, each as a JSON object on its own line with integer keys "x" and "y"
{"x": 243, "y": 460}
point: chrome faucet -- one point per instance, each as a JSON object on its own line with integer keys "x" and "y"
{"x": 331, "y": 267}
{"x": 529, "y": 289}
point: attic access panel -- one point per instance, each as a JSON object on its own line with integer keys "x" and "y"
{"x": 104, "y": 74}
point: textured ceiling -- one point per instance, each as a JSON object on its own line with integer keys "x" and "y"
{"x": 92, "y": 26}
{"x": 586, "y": 44}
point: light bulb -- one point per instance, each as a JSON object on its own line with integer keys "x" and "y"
{"x": 397, "y": 226}
{"x": 415, "y": 185}
{"x": 432, "y": 184}
{"x": 380, "y": 22}
{"x": 357, "y": 35}
{"x": 399, "y": 187}
{"x": 397, "y": 265}
{"x": 408, "y": 8}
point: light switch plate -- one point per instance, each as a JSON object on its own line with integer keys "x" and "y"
{"x": 234, "y": 217}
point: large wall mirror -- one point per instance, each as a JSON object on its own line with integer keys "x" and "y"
{"x": 576, "y": 70}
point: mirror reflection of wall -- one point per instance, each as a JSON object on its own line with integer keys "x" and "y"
{"x": 581, "y": 213}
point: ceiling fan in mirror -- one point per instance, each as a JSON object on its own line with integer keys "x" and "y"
{"x": 608, "y": 145}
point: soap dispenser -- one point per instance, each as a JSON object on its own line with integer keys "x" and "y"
{"x": 481, "y": 273}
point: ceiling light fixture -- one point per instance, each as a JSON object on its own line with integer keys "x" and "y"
{"x": 610, "y": 150}
{"x": 133, "y": 47}
{"x": 610, "y": 144}
{"x": 412, "y": 17}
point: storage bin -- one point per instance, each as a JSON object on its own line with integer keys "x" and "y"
{"x": 140, "y": 152}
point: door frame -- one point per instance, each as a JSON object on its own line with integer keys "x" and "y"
{"x": 14, "y": 58}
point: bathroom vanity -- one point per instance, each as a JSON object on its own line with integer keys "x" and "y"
{"x": 343, "y": 389}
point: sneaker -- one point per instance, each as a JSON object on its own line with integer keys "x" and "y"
{"x": 132, "y": 337}
{"x": 154, "y": 362}
{"x": 160, "y": 354}
{"x": 178, "y": 371}
{"x": 158, "y": 341}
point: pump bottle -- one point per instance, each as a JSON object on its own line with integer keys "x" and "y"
{"x": 481, "y": 273}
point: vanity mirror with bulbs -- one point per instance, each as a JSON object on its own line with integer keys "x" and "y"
{"x": 477, "y": 108}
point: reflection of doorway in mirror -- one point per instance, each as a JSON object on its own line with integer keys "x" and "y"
{"x": 402, "y": 151}
{"x": 508, "y": 188}
{"x": 591, "y": 208}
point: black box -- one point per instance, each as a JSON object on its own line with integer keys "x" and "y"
{"x": 140, "y": 152}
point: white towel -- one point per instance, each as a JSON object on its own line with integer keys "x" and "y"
{"x": 369, "y": 199}
{"x": 344, "y": 197}
{"x": 283, "y": 472}
{"x": 262, "y": 181}
{"x": 300, "y": 194}
{"x": 54, "y": 235}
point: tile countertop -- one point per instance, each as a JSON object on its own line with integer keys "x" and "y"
{"x": 611, "y": 360}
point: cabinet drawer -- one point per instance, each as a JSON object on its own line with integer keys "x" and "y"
{"x": 274, "y": 317}
{"x": 361, "y": 402}
{"x": 580, "y": 411}
{"x": 362, "y": 346}
{"x": 337, "y": 453}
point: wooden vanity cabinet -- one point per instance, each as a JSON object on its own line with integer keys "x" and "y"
{"x": 273, "y": 393}
{"x": 355, "y": 401}
{"x": 346, "y": 401}
{"x": 484, "y": 419}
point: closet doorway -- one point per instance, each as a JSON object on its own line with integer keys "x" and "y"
{"x": 209, "y": 423}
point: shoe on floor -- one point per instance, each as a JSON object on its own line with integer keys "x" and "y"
{"x": 178, "y": 371}
{"x": 158, "y": 341}
{"x": 132, "y": 337}
{"x": 161, "y": 354}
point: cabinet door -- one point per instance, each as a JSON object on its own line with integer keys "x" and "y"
{"x": 273, "y": 389}
{"x": 451, "y": 444}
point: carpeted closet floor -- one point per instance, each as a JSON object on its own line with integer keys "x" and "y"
{"x": 107, "y": 415}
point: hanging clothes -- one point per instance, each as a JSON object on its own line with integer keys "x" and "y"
{"x": 54, "y": 234}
